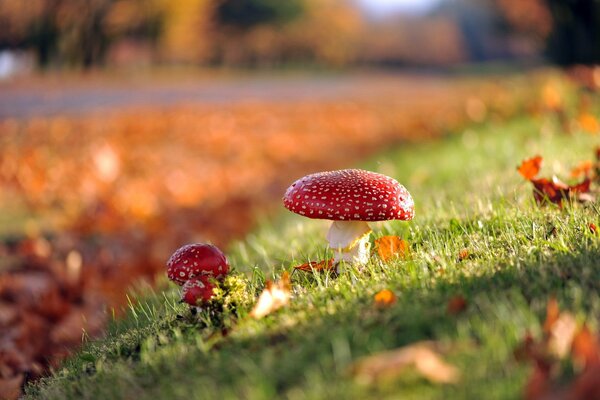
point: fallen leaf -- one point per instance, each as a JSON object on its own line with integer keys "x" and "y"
{"x": 390, "y": 364}
{"x": 389, "y": 247}
{"x": 582, "y": 169}
{"x": 562, "y": 334}
{"x": 587, "y": 385}
{"x": 10, "y": 388}
{"x": 555, "y": 191}
{"x": 552, "y": 315}
{"x": 538, "y": 384}
{"x": 325, "y": 265}
{"x": 273, "y": 297}
{"x": 588, "y": 123}
{"x": 385, "y": 298}
{"x": 585, "y": 348}
{"x": 463, "y": 254}
{"x": 456, "y": 304}
{"x": 530, "y": 167}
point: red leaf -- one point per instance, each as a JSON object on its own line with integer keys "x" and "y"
{"x": 553, "y": 191}
{"x": 581, "y": 187}
{"x": 538, "y": 384}
{"x": 585, "y": 348}
{"x": 587, "y": 385}
{"x": 530, "y": 167}
{"x": 325, "y": 265}
{"x": 456, "y": 304}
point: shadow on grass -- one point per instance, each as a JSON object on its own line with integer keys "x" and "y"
{"x": 312, "y": 353}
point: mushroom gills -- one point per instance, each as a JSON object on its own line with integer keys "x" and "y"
{"x": 350, "y": 241}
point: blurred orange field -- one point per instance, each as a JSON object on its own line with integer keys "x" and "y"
{"x": 107, "y": 197}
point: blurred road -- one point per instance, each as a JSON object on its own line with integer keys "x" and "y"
{"x": 42, "y": 99}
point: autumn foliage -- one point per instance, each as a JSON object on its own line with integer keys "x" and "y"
{"x": 565, "y": 347}
{"x": 554, "y": 190}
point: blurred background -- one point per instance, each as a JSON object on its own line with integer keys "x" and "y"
{"x": 131, "y": 127}
{"x": 42, "y": 34}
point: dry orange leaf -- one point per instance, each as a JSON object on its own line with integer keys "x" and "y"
{"x": 582, "y": 169}
{"x": 325, "y": 265}
{"x": 390, "y": 364}
{"x": 585, "y": 347}
{"x": 389, "y": 247}
{"x": 385, "y": 298}
{"x": 10, "y": 388}
{"x": 588, "y": 123}
{"x": 552, "y": 314}
{"x": 456, "y": 304}
{"x": 463, "y": 254}
{"x": 530, "y": 167}
{"x": 273, "y": 297}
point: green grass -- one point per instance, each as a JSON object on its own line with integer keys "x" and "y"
{"x": 468, "y": 195}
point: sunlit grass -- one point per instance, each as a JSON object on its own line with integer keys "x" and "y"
{"x": 468, "y": 196}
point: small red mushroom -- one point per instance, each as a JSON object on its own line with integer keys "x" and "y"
{"x": 198, "y": 259}
{"x": 197, "y": 290}
{"x": 350, "y": 198}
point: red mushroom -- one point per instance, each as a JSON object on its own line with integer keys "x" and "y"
{"x": 197, "y": 290}
{"x": 350, "y": 198}
{"x": 196, "y": 259}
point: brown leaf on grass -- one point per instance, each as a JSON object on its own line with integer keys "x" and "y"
{"x": 538, "y": 384}
{"x": 389, "y": 247}
{"x": 385, "y": 298}
{"x": 552, "y": 314}
{"x": 582, "y": 169}
{"x": 325, "y": 265}
{"x": 391, "y": 364}
{"x": 587, "y": 385}
{"x": 530, "y": 167}
{"x": 585, "y": 348}
{"x": 555, "y": 191}
{"x": 10, "y": 388}
{"x": 273, "y": 297}
{"x": 562, "y": 334}
{"x": 456, "y": 304}
{"x": 562, "y": 340}
{"x": 588, "y": 123}
{"x": 463, "y": 254}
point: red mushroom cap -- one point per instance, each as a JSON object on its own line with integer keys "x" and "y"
{"x": 196, "y": 259}
{"x": 197, "y": 290}
{"x": 351, "y": 195}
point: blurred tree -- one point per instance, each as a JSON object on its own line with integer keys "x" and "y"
{"x": 570, "y": 29}
{"x": 185, "y": 34}
{"x": 63, "y": 31}
{"x": 245, "y": 14}
{"x": 575, "y": 37}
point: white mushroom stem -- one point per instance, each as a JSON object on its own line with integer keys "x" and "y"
{"x": 350, "y": 241}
